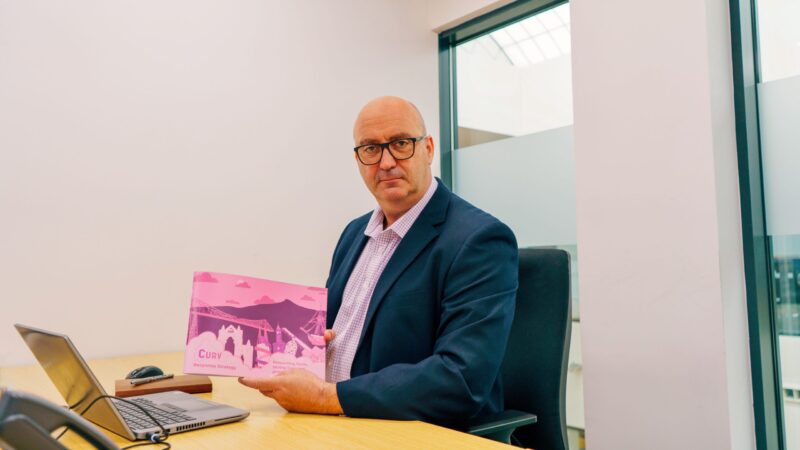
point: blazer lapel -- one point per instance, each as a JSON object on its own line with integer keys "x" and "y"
{"x": 336, "y": 289}
{"x": 421, "y": 233}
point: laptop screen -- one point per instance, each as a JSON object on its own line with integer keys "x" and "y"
{"x": 71, "y": 376}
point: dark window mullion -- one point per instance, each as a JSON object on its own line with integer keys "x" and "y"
{"x": 764, "y": 356}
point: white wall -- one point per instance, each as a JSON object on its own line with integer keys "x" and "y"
{"x": 662, "y": 291}
{"x": 142, "y": 140}
{"x": 779, "y": 114}
{"x": 778, "y": 39}
{"x": 446, "y": 14}
{"x": 496, "y": 96}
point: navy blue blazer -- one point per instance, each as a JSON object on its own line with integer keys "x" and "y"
{"x": 438, "y": 322}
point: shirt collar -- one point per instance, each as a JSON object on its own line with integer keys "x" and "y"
{"x": 401, "y": 226}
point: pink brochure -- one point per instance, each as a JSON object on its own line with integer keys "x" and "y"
{"x": 244, "y": 326}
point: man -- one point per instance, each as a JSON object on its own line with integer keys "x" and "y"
{"x": 421, "y": 292}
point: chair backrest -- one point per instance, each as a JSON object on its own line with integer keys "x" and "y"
{"x": 535, "y": 365}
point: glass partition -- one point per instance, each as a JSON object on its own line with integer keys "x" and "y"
{"x": 512, "y": 152}
{"x": 778, "y": 89}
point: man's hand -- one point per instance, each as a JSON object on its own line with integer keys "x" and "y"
{"x": 298, "y": 390}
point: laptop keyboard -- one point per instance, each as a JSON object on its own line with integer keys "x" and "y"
{"x": 136, "y": 419}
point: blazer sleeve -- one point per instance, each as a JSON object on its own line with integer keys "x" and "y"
{"x": 477, "y": 309}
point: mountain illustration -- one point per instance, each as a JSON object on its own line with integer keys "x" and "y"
{"x": 285, "y": 314}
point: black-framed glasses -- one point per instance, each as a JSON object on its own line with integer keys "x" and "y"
{"x": 400, "y": 149}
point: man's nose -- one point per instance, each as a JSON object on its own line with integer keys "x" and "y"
{"x": 387, "y": 160}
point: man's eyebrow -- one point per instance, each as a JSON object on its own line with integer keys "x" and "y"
{"x": 368, "y": 141}
{"x": 391, "y": 138}
{"x": 400, "y": 136}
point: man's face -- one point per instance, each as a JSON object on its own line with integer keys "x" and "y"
{"x": 392, "y": 182}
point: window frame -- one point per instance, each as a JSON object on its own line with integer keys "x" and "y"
{"x": 763, "y": 337}
{"x": 764, "y": 351}
{"x": 448, "y": 40}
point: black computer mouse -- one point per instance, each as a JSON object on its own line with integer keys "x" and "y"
{"x": 144, "y": 372}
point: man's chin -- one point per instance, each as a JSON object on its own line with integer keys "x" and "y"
{"x": 392, "y": 192}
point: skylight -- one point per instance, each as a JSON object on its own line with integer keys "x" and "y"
{"x": 537, "y": 38}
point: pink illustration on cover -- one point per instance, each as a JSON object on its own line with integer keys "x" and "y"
{"x": 245, "y": 326}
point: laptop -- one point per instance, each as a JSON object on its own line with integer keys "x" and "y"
{"x": 176, "y": 411}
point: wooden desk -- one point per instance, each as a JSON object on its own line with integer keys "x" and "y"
{"x": 268, "y": 426}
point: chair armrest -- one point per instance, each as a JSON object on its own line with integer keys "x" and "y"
{"x": 504, "y": 422}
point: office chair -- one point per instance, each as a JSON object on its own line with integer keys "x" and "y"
{"x": 534, "y": 370}
{"x": 27, "y": 421}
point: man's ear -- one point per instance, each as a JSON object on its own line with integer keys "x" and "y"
{"x": 429, "y": 148}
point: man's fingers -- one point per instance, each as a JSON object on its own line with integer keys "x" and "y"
{"x": 329, "y": 335}
{"x": 270, "y": 394}
{"x": 262, "y": 384}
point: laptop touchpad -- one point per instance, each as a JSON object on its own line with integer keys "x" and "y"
{"x": 189, "y": 404}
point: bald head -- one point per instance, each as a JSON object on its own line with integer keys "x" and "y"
{"x": 389, "y": 108}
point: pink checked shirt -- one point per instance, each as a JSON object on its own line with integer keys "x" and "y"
{"x": 358, "y": 291}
